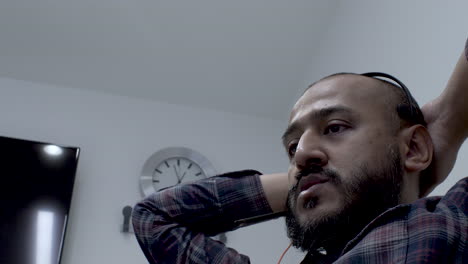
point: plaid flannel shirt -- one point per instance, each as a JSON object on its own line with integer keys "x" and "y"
{"x": 174, "y": 225}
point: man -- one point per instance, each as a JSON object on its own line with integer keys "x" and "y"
{"x": 361, "y": 156}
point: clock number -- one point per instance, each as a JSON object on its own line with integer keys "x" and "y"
{"x": 198, "y": 174}
{"x": 167, "y": 164}
{"x": 190, "y": 166}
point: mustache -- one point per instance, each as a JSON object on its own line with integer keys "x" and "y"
{"x": 332, "y": 175}
{"x": 307, "y": 171}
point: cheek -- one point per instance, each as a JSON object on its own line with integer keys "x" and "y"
{"x": 359, "y": 150}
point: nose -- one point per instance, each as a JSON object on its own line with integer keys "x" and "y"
{"x": 310, "y": 152}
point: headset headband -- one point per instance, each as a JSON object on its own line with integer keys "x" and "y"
{"x": 381, "y": 75}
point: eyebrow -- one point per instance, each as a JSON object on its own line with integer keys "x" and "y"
{"x": 317, "y": 115}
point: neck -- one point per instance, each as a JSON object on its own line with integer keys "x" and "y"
{"x": 409, "y": 189}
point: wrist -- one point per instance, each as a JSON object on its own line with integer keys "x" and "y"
{"x": 276, "y": 188}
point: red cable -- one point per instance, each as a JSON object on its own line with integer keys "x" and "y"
{"x": 284, "y": 253}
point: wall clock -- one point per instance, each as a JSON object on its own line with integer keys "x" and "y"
{"x": 172, "y": 166}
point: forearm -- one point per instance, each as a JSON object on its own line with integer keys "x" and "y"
{"x": 454, "y": 99}
{"x": 174, "y": 225}
{"x": 447, "y": 119}
{"x": 275, "y": 187}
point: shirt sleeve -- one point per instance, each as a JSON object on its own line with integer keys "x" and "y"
{"x": 174, "y": 225}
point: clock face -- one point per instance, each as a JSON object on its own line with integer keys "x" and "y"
{"x": 172, "y": 166}
{"x": 176, "y": 170}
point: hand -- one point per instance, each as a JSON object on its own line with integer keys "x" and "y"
{"x": 183, "y": 175}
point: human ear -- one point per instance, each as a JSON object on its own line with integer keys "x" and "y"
{"x": 418, "y": 148}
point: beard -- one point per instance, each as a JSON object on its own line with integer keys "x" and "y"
{"x": 366, "y": 194}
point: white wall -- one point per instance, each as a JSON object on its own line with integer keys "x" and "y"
{"x": 417, "y": 41}
{"x": 116, "y": 135}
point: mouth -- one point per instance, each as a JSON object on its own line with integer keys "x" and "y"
{"x": 312, "y": 180}
{"x": 307, "y": 197}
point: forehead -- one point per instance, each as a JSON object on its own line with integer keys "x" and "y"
{"x": 363, "y": 95}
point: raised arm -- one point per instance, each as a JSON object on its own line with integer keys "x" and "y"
{"x": 447, "y": 118}
{"x": 174, "y": 225}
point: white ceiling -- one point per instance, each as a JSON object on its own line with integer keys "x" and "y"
{"x": 244, "y": 56}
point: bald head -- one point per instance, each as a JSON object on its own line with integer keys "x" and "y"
{"x": 402, "y": 108}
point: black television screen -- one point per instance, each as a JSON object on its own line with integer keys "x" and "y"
{"x": 36, "y": 184}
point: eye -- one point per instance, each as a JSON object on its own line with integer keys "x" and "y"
{"x": 335, "y": 128}
{"x": 292, "y": 149}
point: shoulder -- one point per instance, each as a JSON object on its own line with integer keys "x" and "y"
{"x": 430, "y": 230}
{"x": 438, "y": 226}
{"x": 452, "y": 204}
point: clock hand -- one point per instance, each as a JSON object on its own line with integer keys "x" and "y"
{"x": 177, "y": 175}
{"x": 183, "y": 175}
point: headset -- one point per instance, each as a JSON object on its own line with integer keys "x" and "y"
{"x": 384, "y": 76}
